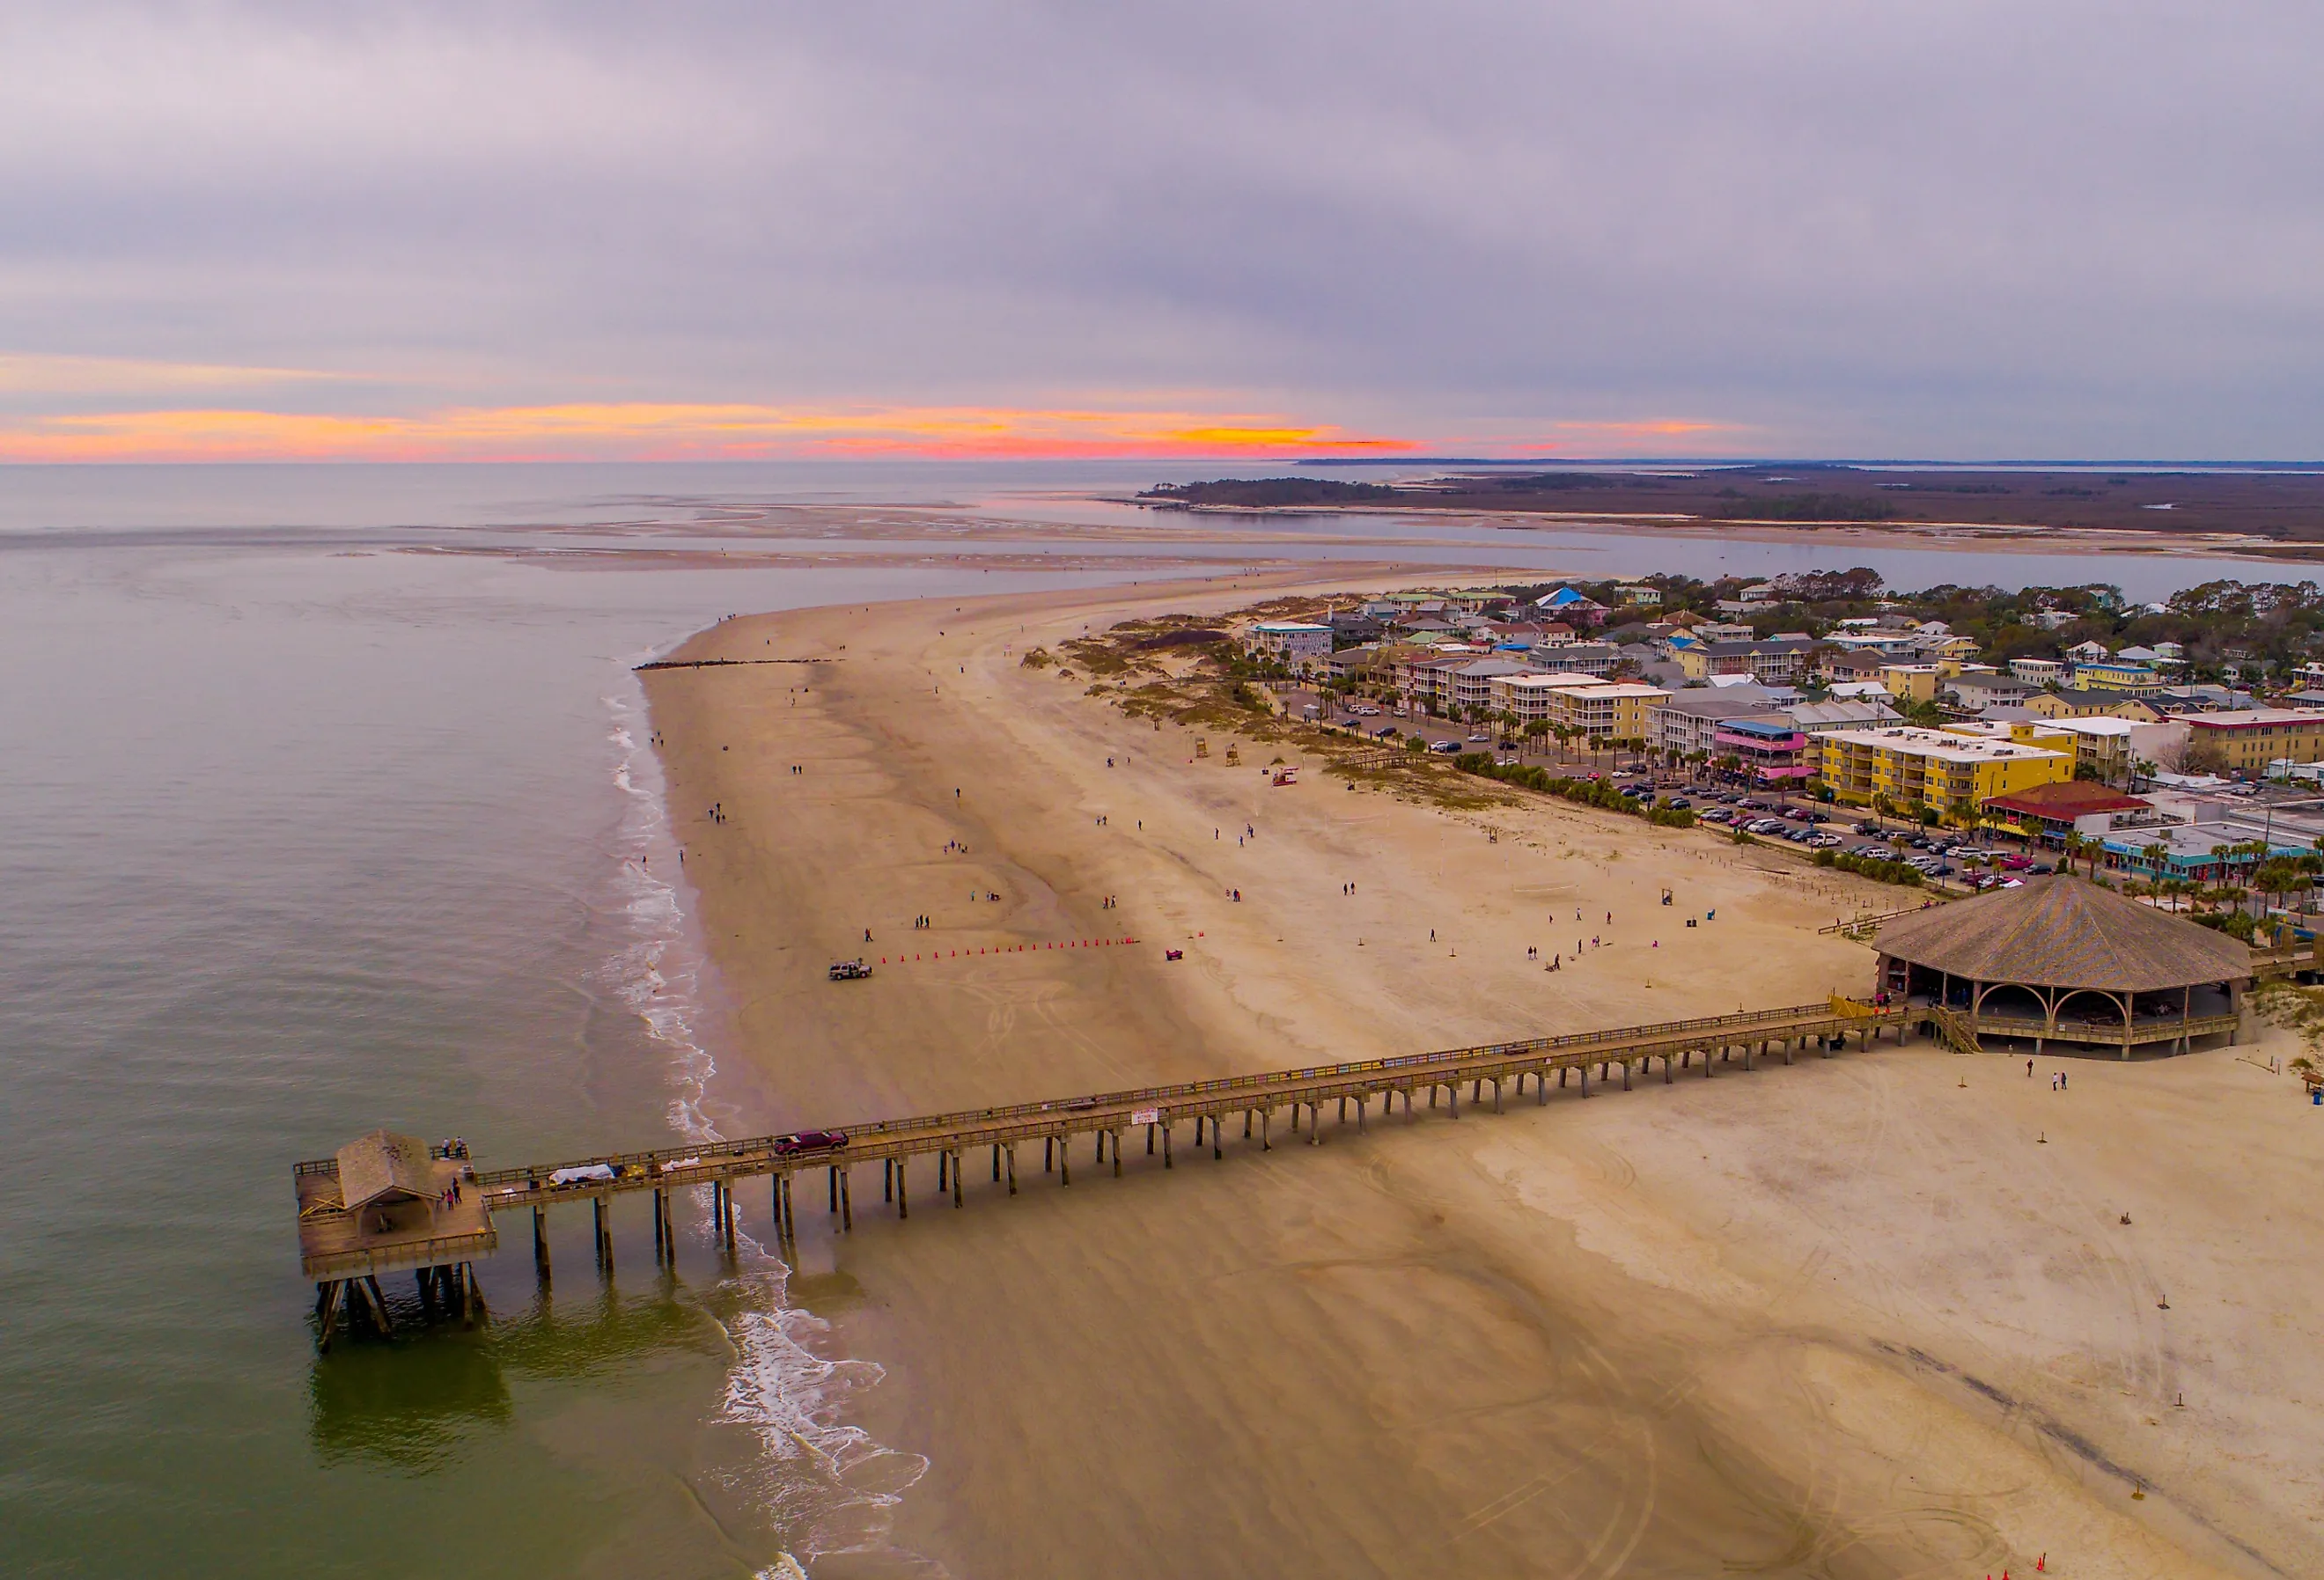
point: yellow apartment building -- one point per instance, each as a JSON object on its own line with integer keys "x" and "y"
{"x": 2248, "y": 739}
{"x": 1910, "y": 682}
{"x": 2041, "y": 736}
{"x": 1955, "y": 774}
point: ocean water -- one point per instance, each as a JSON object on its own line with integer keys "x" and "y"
{"x": 301, "y": 834}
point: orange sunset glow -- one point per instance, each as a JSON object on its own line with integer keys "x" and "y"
{"x": 667, "y": 431}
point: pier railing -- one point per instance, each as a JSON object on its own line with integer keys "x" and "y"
{"x": 662, "y": 1166}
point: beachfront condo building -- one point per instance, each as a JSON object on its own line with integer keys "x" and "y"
{"x": 1291, "y": 641}
{"x": 1526, "y": 696}
{"x": 1956, "y": 774}
{"x": 1614, "y": 711}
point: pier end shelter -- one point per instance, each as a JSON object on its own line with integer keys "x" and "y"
{"x": 2062, "y": 960}
{"x": 385, "y": 1202}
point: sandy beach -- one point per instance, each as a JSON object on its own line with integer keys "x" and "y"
{"x": 1869, "y": 1315}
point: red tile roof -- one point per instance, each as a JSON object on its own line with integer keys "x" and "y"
{"x": 2066, "y": 801}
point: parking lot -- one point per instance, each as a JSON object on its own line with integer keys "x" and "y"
{"x": 1939, "y": 856}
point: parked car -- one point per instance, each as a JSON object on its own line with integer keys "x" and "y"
{"x": 1383, "y": 732}
{"x": 1718, "y": 815}
{"x": 1867, "y": 827}
{"x": 2015, "y": 863}
{"x": 1817, "y": 817}
{"x": 1447, "y": 748}
{"x": 809, "y": 1140}
{"x": 1679, "y": 804}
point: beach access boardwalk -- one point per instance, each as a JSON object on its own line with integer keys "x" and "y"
{"x": 345, "y": 1249}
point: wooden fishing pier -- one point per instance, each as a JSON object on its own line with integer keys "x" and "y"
{"x": 360, "y": 1216}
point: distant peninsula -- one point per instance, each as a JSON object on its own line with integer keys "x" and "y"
{"x": 2286, "y": 505}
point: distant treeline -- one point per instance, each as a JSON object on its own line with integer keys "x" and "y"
{"x": 1267, "y": 492}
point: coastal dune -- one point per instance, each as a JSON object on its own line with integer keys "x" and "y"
{"x": 1765, "y": 1321}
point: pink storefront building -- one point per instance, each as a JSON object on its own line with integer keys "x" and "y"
{"x": 1767, "y": 751}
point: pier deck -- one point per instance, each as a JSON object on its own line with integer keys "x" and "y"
{"x": 343, "y": 1252}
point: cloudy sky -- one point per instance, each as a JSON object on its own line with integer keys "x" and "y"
{"x": 1951, "y": 228}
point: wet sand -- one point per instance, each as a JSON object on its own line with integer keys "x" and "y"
{"x": 1842, "y": 1318}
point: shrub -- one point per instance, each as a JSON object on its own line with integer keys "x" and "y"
{"x": 1885, "y": 872}
{"x": 1586, "y": 793}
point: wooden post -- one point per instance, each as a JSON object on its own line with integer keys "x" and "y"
{"x": 955, "y": 1180}
{"x": 1064, "y": 1162}
{"x": 903, "y": 1198}
{"x": 834, "y": 1184}
{"x": 329, "y": 1297}
{"x": 1166, "y": 1145}
{"x": 1216, "y": 1151}
{"x": 1048, "y": 1154}
{"x": 540, "y": 1242}
{"x": 1625, "y": 1075}
{"x": 887, "y": 1179}
{"x": 1585, "y": 1080}
{"x": 1011, "y": 1149}
{"x": 1496, "y": 1093}
{"x": 1246, "y": 1124}
{"x": 996, "y": 1162}
{"x": 1362, "y": 1105}
{"x": 944, "y": 1163}
{"x": 661, "y": 1246}
{"x": 846, "y": 1208}
{"x": 1707, "y": 1062}
{"x": 1117, "y": 1154}
{"x": 1314, "y": 1124}
{"x": 605, "y": 1237}
{"x": 1452, "y": 1096}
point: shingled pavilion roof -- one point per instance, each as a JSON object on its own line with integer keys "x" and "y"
{"x": 2063, "y": 932}
{"x": 384, "y": 1167}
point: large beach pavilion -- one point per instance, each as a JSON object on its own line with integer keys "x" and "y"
{"x": 2062, "y": 960}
